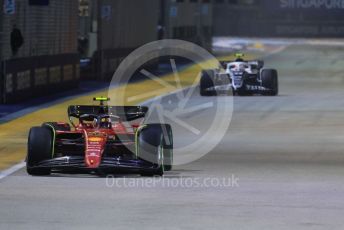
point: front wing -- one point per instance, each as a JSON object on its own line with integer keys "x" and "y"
{"x": 254, "y": 89}
{"x": 109, "y": 163}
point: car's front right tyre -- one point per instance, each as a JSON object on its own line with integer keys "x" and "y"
{"x": 39, "y": 148}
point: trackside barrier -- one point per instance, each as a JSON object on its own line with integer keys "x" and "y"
{"x": 25, "y": 78}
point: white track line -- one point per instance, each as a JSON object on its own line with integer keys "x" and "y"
{"x": 11, "y": 170}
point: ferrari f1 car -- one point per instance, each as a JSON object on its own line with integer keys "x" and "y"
{"x": 102, "y": 138}
{"x": 240, "y": 77}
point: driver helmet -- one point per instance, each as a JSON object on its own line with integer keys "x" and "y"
{"x": 239, "y": 57}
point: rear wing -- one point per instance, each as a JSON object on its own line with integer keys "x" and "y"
{"x": 126, "y": 113}
{"x": 258, "y": 63}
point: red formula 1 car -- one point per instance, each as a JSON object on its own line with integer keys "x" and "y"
{"x": 102, "y": 139}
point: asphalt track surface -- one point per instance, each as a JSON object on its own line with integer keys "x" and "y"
{"x": 284, "y": 154}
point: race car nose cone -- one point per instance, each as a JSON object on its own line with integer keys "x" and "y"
{"x": 92, "y": 160}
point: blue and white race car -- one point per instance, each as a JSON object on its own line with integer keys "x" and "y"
{"x": 241, "y": 78}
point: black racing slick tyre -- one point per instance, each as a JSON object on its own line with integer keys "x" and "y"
{"x": 168, "y": 146}
{"x": 270, "y": 81}
{"x": 155, "y": 145}
{"x": 39, "y": 148}
{"x": 207, "y": 81}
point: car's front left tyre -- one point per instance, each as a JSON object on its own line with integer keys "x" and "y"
{"x": 39, "y": 148}
{"x": 155, "y": 145}
{"x": 270, "y": 81}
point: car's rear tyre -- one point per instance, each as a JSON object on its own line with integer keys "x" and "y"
{"x": 207, "y": 81}
{"x": 270, "y": 80}
{"x": 155, "y": 145}
{"x": 40, "y": 146}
